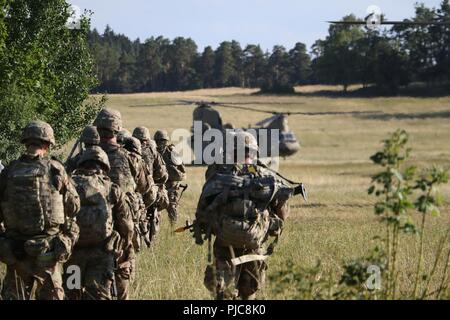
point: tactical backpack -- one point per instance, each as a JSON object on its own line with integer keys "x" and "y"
{"x": 120, "y": 172}
{"x": 137, "y": 208}
{"x": 237, "y": 209}
{"x": 95, "y": 217}
{"x": 32, "y": 205}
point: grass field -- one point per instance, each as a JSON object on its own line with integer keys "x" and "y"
{"x": 338, "y": 222}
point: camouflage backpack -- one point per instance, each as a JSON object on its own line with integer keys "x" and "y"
{"x": 95, "y": 217}
{"x": 120, "y": 172}
{"x": 32, "y": 205}
{"x": 237, "y": 208}
{"x": 174, "y": 164}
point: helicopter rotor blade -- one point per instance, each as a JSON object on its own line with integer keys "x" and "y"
{"x": 261, "y": 103}
{"x": 244, "y": 108}
{"x": 332, "y": 113}
{"x": 169, "y": 104}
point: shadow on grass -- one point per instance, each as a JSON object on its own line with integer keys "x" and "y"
{"x": 404, "y": 116}
{"x": 417, "y": 90}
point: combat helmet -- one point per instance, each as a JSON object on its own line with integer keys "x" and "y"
{"x": 133, "y": 144}
{"x": 161, "y": 135}
{"x": 38, "y": 130}
{"x": 247, "y": 139}
{"x": 109, "y": 119}
{"x": 90, "y": 136}
{"x": 122, "y": 135}
{"x": 142, "y": 133}
{"x": 95, "y": 154}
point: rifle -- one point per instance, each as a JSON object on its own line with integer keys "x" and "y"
{"x": 197, "y": 235}
{"x": 73, "y": 150}
{"x": 186, "y": 227}
{"x": 114, "y": 293}
{"x": 300, "y": 189}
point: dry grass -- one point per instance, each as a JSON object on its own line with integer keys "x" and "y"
{"x": 338, "y": 223}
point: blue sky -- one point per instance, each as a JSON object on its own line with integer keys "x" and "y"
{"x": 209, "y": 22}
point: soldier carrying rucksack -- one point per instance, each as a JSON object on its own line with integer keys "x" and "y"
{"x": 158, "y": 169}
{"x": 242, "y": 204}
{"x": 106, "y": 226}
{"x": 39, "y": 204}
{"x": 131, "y": 177}
{"x": 175, "y": 169}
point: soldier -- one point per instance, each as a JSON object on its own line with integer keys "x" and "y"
{"x": 89, "y": 138}
{"x": 106, "y": 226}
{"x": 151, "y": 155}
{"x": 241, "y": 204}
{"x": 122, "y": 135}
{"x": 38, "y": 208}
{"x": 175, "y": 169}
{"x": 131, "y": 177}
{"x": 133, "y": 146}
{"x": 159, "y": 172}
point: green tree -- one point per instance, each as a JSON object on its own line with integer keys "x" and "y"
{"x": 337, "y": 58}
{"x": 205, "y": 67}
{"x": 300, "y": 62}
{"x": 254, "y": 66}
{"x": 224, "y": 66}
{"x": 278, "y": 72}
{"x": 46, "y": 71}
{"x": 181, "y": 56}
{"x": 238, "y": 64}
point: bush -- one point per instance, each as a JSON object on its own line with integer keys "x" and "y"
{"x": 402, "y": 193}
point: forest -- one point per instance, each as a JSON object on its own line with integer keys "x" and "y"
{"x": 385, "y": 58}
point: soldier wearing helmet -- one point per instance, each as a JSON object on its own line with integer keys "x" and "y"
{"x": 175, "y": 169}
{"x": 104, "y": 219}
{"x": 241, "y": 207}
{"x": 89, "y": 138}
{"x": 131, "y": 177}
{"x": 122, "y": 136}
{"x": 134, "y": 147}
{"x": 38, "y": 218}
{"x": 158, "y": 169}
{"x": 151, "y": 155}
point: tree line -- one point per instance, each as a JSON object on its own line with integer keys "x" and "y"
{"x": 384, "y": 58}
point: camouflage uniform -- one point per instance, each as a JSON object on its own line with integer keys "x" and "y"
{"x": 220, "y": 205}
{"x": 159, "y": 172}
{"x": 176, "y": 172}
{"x": 131, "y": 177}
{"x": 38, "y": 206}
{"x": 133, "y": 146}
{"x": 106, "y": 226}
{"x": 89, "y": 138}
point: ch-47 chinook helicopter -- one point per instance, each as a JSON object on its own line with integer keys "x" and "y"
{"x": 287, "y": 144}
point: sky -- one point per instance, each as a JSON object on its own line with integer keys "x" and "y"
{"x": 209, "y": 22}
